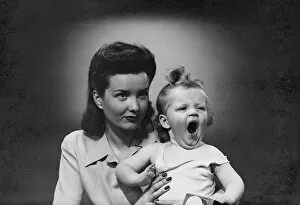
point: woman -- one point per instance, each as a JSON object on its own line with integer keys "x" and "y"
{"x": 115, "y": 125}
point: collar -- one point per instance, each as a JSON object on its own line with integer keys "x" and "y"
{"x": 99, "y": 150}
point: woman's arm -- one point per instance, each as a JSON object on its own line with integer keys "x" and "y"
{"x": 231, "y": 181}
{"x": 130, "y": 171}
{"x": 68, "y": 190}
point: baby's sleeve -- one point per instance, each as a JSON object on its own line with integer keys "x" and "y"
{"x": 217, "y": 157}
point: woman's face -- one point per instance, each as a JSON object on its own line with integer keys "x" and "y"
{"x": 125, "y": 101}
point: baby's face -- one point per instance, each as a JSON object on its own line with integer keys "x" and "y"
{"x": 187, "y": 116}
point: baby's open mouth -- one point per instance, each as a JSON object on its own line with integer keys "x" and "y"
{"x": 192, "y": 127}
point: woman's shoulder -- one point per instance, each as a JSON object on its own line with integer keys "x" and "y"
{"x": 156, "y": 145}
{"x": 74, "y": 136}
{"x": 152, "y": 137}
{"x": 75, "y": 139}
{"x": 147, "y": 139}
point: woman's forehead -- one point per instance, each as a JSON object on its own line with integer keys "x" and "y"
{"x": 138, "y": 81}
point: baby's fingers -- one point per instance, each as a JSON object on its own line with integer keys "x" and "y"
{"x": 150, "y": 170}
{"x": 218, "y": 197}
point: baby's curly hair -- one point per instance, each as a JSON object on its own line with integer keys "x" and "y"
{"x": 176, "y": 77}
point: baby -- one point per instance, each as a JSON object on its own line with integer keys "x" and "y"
{"x": 191, "y": 165}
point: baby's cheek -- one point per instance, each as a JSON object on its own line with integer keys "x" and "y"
{"x": 203, "y": 119}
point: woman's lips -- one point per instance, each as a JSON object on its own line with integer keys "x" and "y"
{"x": 131, "y": 118}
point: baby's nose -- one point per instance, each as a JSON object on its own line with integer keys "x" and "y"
{"x": 193, "y": 112}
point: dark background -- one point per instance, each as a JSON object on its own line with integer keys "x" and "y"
{"x": 258, "y": 129}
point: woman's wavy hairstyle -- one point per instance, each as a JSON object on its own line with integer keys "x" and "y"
{"x": 111, "y": 59}
{"x": 177, "y": 77}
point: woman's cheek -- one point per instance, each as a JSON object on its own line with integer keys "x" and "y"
{"x": 144, "y": 106}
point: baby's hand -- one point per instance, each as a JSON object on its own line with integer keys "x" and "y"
{"x": 222, "y": 198}
{"x": 146, "y": 177}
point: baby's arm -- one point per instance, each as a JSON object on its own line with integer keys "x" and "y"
{"x": 130, "y": 171}
{"x": 231, "y": 181}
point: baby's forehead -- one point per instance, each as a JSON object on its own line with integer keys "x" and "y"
{"x": 183, "y": 94}
{"x": 180, "y": 91}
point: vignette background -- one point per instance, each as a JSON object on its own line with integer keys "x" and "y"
{"x": 246, "y": 52}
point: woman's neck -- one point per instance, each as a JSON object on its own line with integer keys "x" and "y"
{"x": 120, "y": 140}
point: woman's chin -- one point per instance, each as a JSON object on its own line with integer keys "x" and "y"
{"x": 130, "y": 126}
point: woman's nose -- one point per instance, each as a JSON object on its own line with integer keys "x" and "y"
{"x": 133, "y": 104}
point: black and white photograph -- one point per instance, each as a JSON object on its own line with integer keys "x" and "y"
{"x": 149, "y": 102}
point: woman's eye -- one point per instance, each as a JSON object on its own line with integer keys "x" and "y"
{"x": 121, "y": 96}
{"x": 143, "y": 95}
{"x": 181, "y": 108}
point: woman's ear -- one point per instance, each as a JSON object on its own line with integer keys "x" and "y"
{"x": 97, "y": 99}
{"x": 164, "y": 121}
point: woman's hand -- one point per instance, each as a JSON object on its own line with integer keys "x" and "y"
{"x": 155, "y": 190}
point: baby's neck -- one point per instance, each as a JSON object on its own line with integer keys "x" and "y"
{"x": 174, "y": 143}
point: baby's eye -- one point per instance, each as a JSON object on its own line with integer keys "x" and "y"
{"x": 201, "y": 108}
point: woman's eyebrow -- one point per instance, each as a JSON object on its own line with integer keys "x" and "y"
{"x": 120, "y": 90}
{"x": 128, "y": 91}
{"x": 145, "y": 89}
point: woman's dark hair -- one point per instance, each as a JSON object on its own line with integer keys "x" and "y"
{"x": 177, "y": 77}
{"x": 111, "y": 59}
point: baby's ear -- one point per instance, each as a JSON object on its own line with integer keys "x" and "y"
{"x": 210, "y": 120}
{"x": 164, "y": 121}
